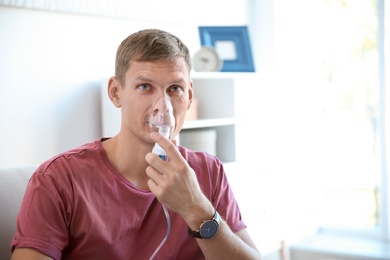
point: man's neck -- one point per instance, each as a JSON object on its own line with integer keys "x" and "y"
{"x": 128, "y": 158}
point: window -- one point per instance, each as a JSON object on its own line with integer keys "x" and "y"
{"x": 329, "y": 52}
{"x": 350, "y": 116}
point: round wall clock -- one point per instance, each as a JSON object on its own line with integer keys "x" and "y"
{"x": 206, "y": 59}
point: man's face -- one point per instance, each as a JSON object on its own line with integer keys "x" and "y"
{"x": 147, "y": 82}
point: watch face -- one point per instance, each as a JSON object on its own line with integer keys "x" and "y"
{"x": 207, "y": 59}
{"x": 208, "y": 229}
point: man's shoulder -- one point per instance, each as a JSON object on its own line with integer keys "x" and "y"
{"x": 193, "y": 155}
{"x": 203, "y": 163}
{"x": 82, "y": 154}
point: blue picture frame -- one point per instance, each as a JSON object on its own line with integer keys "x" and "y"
{"x": 236, "y": 39}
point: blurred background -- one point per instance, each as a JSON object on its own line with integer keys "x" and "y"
{"x": 311, "y": 144}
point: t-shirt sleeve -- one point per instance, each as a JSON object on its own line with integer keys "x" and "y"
{"x": 225, "y": 203}
{"x": 43, "y": 217}
{"x": 214, "y": 183}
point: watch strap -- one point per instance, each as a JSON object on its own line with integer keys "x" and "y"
{"x": 196, "y": 233}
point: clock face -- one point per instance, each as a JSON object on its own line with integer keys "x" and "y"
{"x": 207, "y": 59}
{"x": 208, "y": 229}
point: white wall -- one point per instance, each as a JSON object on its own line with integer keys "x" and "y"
{"x": 51, "y": 65}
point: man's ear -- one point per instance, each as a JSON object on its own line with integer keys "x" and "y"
{"x": 114, "y": 89}
{"x": 190, "y": 94}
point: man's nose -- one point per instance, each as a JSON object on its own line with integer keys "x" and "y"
{"x": 162, "y": 103}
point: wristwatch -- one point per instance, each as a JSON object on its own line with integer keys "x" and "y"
{"x": 208, "y": 228}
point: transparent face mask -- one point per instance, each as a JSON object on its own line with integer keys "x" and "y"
{"x": 162, "y": 120}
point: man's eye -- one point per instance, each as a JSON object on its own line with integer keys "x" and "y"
{"x": 176, "y": 88}
{"x": 143, "y": 86}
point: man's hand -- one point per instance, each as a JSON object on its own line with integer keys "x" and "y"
{"x": 174, "y": 183}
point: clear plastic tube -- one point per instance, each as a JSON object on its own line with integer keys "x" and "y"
{"x": 166, "y": 234}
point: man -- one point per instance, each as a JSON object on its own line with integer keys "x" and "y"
{"x": 104, "y": 199}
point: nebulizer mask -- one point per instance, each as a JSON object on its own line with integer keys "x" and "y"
{"x": 162, "y": 120}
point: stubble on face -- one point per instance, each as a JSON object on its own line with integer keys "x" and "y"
{"x": 145, "y": 82}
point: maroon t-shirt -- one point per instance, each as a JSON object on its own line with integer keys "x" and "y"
{"x": 77, "y": 206}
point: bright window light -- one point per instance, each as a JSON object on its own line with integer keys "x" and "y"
{"x": 345, "y": 60}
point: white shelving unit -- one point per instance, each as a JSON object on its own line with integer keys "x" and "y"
{"x": 216, "y": 110}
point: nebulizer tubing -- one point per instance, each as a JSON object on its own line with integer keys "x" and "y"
{"x": 166, "y": 234}
{"x": 161, "y": 119}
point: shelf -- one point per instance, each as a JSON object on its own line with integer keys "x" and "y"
{"x": 219, "y": 75}
{"x": 225, "y": 143}
{"x": 214, "y": 130}
{"x": 201, "y": 123}
{"x": 339, "y": 247}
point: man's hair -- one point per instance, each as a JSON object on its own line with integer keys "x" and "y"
{"x": 149, "y": 45}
